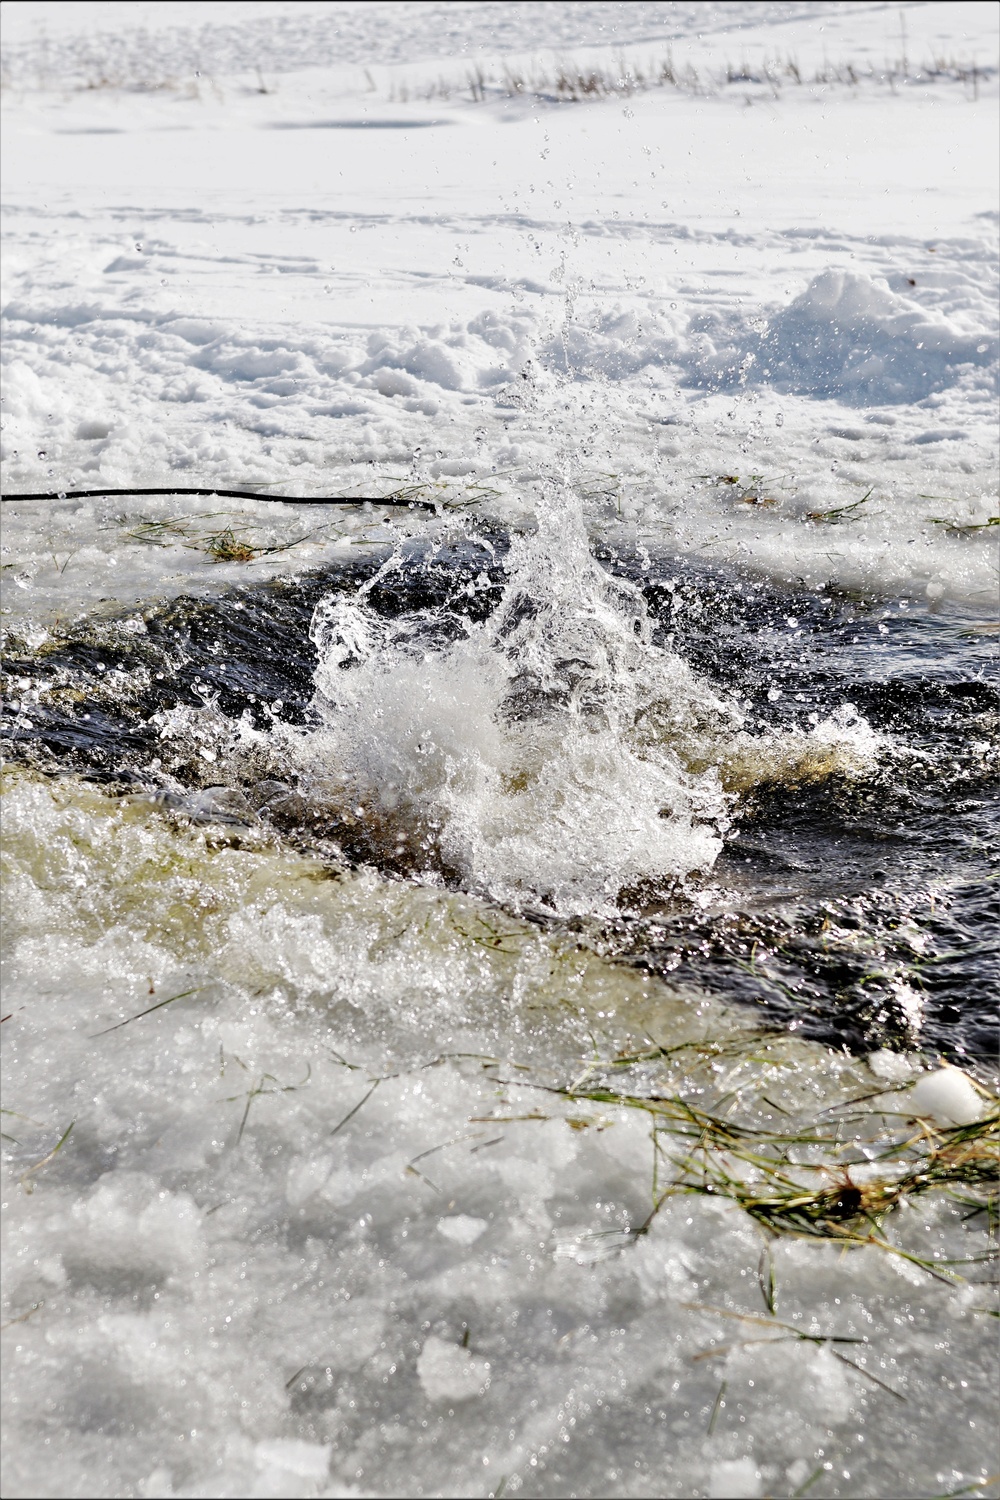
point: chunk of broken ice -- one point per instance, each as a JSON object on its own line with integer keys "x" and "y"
{"x": 948, "y": 1096}
{"x": 462, "y": 1228}
{"x": 450, "y": 1373}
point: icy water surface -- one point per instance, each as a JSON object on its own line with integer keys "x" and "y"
{"x": 805, "y": 780}
{"x": 409, "y": 970}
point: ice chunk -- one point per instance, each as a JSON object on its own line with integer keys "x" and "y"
{"x": 462, "y": 1228}
{"x": 947, "y": 1096}
{"x": 450, "y": 1373}
{"x": 732, "y": 1479}
{"x": 304, "y": 1460}
{"x": 891, "y": 1067}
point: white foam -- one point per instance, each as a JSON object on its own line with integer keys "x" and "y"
{"x": 544, "y": 750}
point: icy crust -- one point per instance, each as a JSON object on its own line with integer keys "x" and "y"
{"x": 304, "y": 1240}
{"x": 843, "y": 438}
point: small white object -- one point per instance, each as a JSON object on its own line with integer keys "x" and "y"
{"x": 304, "y": 1460}
{"x": 462, "y": 1228}
{"x": 159, "y": 1485}
{"x": 946, "y": 1096}
{"x": 891, "y": 1067}
{"x": 733, "y": 1479}
{"x": 450, "y": 1373}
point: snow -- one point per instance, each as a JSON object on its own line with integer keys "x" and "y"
{"x": 317, "y": 1228}
{"x": 796, "y": 290}
{"x": 450, "y": 1373}
{"x": 216, "y": 1272}
{"x": 462, "y": 1228}
{"x": 947, "y": 1096}
{"x": 734, "y": 1477}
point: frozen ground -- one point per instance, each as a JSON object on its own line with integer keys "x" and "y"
{"x": 318, "y": 1228}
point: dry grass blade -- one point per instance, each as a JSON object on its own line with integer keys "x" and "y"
{"x": 835, "y": 516}
{"x": 765, "y": 1275}
{"x": 759, "y": 1322}
{"x": 147, "y": 1012}
{"x": 260, "y": 1089}
{"x": 352, "y": 1112}
{"x": 60, "y": 1143}
{"x": 867, "y": 1374}
{"x": 23, "y": 1317}
{"x": 755, "y": 1169}
{"x": 720, "y": 1401}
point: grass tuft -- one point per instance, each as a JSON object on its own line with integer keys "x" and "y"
{"x": 60, "y": 1143}
{"x": 791, "y": 1182}
{"x": 840, "y": 512}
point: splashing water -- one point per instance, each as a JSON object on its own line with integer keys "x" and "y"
{"x": 545, "y": 756}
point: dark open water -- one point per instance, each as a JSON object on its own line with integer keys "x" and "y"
{"x": 860, "y": 910}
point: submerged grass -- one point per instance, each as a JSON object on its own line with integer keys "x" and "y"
{"x": 25, "y": 1177}
{"x": 790, "y": 1180}
{"x": 222, "y": 545}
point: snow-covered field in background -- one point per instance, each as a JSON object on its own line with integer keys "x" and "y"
{"x": 790, "y": 286}
{"x": 748, "y": 316}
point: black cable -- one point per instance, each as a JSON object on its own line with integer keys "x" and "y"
{"x": 225, "y": 495}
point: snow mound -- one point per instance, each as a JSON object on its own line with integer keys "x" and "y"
{"x": 847, "y": 337}
{"x": 450, "y": 1373}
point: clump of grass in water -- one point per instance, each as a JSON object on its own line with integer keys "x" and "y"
{"x": 756, "y": 1168}
{"x": 836, "y": 516}
{"x": 226, "y": 546}
{"x": 223, "y": 546}
{"x": 839, "y": 1208}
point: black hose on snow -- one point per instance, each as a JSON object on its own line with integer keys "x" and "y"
{"x": 226, "y": 495}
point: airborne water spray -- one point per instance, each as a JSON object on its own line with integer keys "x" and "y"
{"x": 545, "y": 747}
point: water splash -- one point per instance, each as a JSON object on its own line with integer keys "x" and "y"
{"x": 545, "y": 755}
